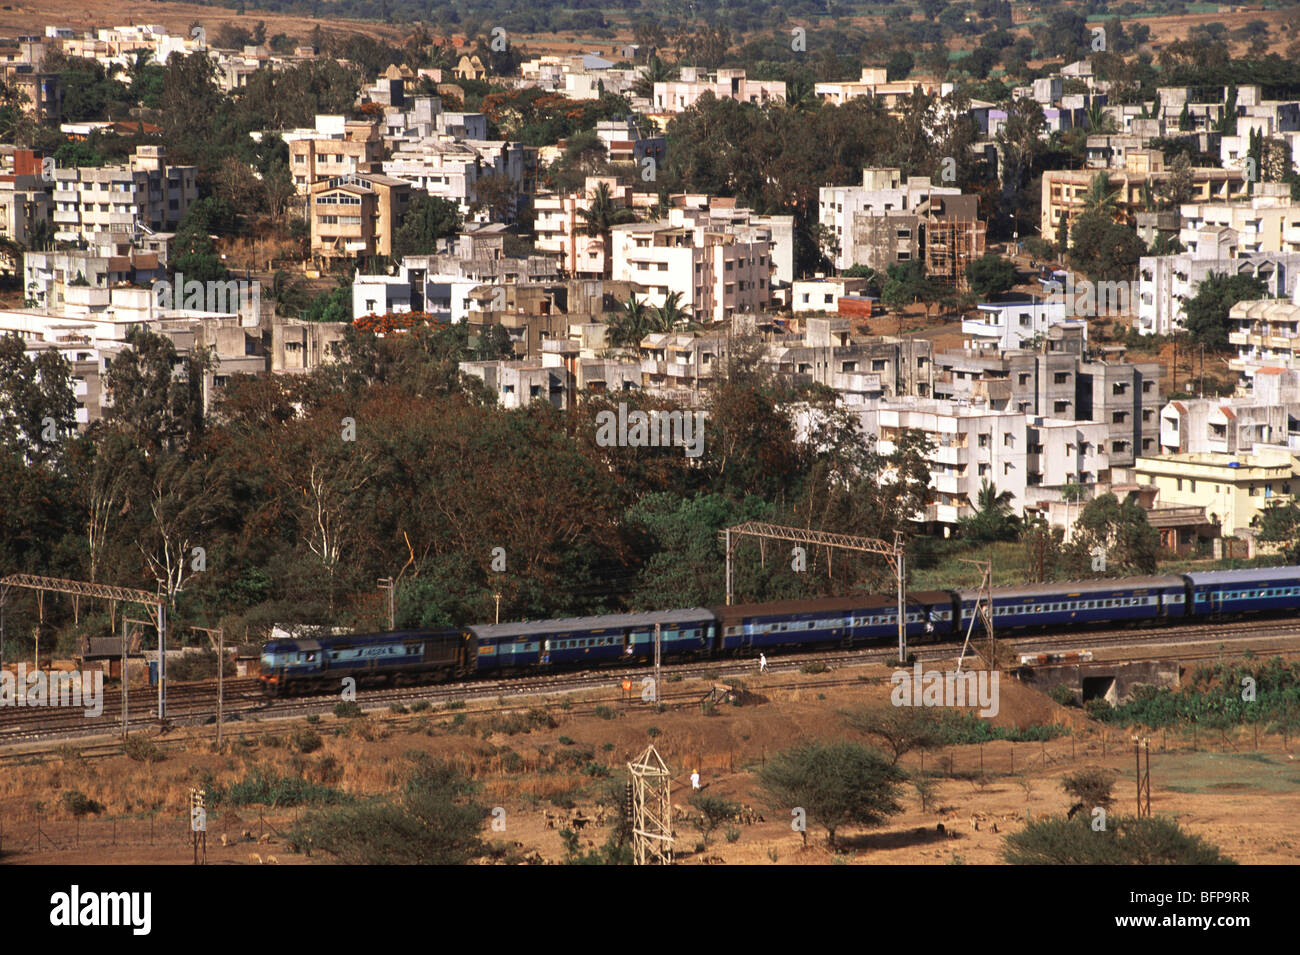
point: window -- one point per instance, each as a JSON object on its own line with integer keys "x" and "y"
{"x": 984, "y": 441}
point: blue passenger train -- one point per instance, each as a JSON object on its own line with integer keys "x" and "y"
{"x": 422, "y": 656}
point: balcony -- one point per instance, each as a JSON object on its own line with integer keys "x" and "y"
{"x": 951, "y": 454}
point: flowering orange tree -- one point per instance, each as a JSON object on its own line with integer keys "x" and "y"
{"x": 392, "y": 322}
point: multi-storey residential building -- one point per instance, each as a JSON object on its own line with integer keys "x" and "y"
{"x": 355, "y": 215}
{"x": 625, "y": 141}
{"x": 561, "y": 229}
{"x": 716, "y": 272}
{"x": 1166, "y": 282}
{"x": 681, "y": 94}
{"x": 1013, "y": 451}
{"x": 1122, "y": 397}
{"x": 874, "y": 82}
{"x": 143, "y": 194}
{"x": 1007, "y": 325}
{"x": 1266, "y": 334}
{"x": 860, "y": 370}
{"x": 1268, "y": 221}
{"x": 25, "y": 204}
{"x": 723, "y": 212}
{"x": 47, "y": 276}
{"x": 882, "y": 195}
{"x": 1232, "y": 488}
{"x": 1269, "y": 414}
{"x": 452, "y": 169}
{"x": 337, "y": 147}
{"x": 1063, "y": 190}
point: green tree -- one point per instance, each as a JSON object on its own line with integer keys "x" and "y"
{"x": 901, "y": 728}
{"x": 1104, "y": 249}
{"x": 1100, "y": 198}
{"x": 436, "y": 821}
{"x": 159, "y": 407}
{"x": 600, "y": 215}
{"x": 991, "y": 275}
{"x": 428, "y": 219}
{"x": 1207, "y": 311}
{"x": 713, "y": 812}
{"x": 1126, "y": 840}
{"x": 835, "y": 784}
{"x": 1129, "y": 543}
{"x": 1279, "y": 524}
{"x": 37, "y": 407}
{"x": 994, "y": 519}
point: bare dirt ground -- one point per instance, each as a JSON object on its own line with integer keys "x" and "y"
{"x": 1240, "y": 797}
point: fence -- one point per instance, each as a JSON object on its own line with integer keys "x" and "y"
{"x": 37, "y": 831}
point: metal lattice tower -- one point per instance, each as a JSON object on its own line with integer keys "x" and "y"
{"x": 893, "y": 554}
{"x": 652, "y": 810}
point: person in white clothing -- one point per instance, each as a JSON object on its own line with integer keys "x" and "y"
{"x": 762, "y": 663}
{"x": 695, "y": 779}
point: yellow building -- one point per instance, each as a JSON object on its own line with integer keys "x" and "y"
{"x": 1233, "y": 488}
{"x": 1064, "y": 190}
{"x": 354, "y": 216}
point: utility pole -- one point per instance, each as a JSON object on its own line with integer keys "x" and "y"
{"x": 727, "y": 545}
{"x": 387, "y": 583}
{"x": 221, "y": 673}
{"x": 497, "y": 598}
{"x": 126, "y": 643}
{"x": 658, "y": 646}
{"x": 162, "y": 660}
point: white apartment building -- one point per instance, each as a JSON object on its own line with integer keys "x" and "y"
{"x": 681, "y": 94}
{"x": 560, "y": 227}
{"x": 1266, "y": 334}
{"x": 1268, "y": 221}
{"x": 1166, "y": 282}
{"x": 1010, "y": 325}
{"x": 718, "y": 273}
{"x": 882, "y": 192}
{"x": 1015, "y": 452}
{"x": 144, "y": 194}
{"x": 451, "y": 168}
{"x": 1269, "y": 414}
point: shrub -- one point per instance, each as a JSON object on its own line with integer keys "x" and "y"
{"x": 565, "y": 741}
{"x": 1062, "y": 694}
{"x": 419, "y": 706}
{"x": 305, "y": 740}
{"x": 348, "y": 709}
{"x": 814, "y": 667}
{"x": 397, "y": 708}
{"x": 435, "y": 821}
{"x": 604, "y": 712}
{"x": 79, "y": 804}
{"x": 652, "y": 732}
{"x": 1127, "y": 840}
{"x": 732, "y": 834}
{"x": 1091, "y": 787}
{"x": 142, "y": 750}
{"x": 313, "y": 719}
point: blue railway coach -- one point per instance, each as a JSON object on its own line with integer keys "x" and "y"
{"x": 1256, "y": 590}
{"x": 581, "y": 641}
{"x": 840, "y": 620}
{"x": 1082, "y": 602}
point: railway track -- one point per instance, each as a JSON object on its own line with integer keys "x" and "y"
{"x": 194, "y": 704}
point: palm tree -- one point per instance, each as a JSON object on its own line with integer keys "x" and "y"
{"x": 993, "y": 519}
{"x": 629, "y": 325}
{"x": 656, "y": 71}
{"x": 1100, "y": 122}
{"x": 670, "y": 314}
{"x": 601, "y": 215}
{"x": 1100, "y": 198}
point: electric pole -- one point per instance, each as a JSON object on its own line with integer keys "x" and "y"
{"x": 221, "y": 672}
{"x": 387, "y": 583}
